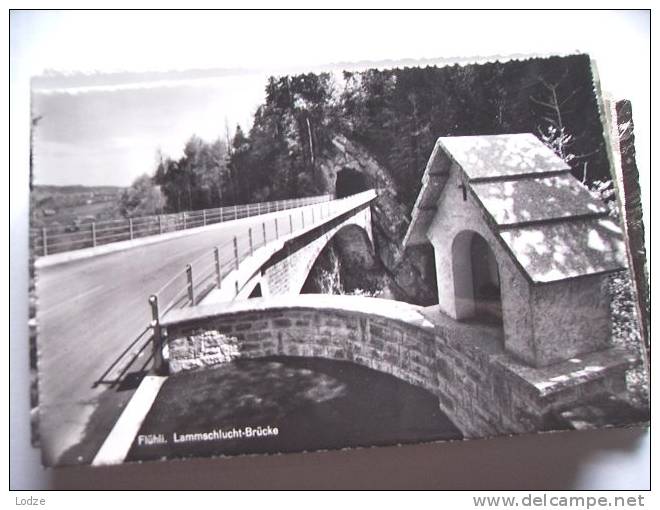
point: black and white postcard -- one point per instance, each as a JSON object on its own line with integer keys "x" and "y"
{"x": 231, "y": 262}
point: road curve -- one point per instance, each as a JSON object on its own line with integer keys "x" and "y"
{"x": 90, "y": 310}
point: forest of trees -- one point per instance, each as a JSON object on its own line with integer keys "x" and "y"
{"x": 397, "y": 115}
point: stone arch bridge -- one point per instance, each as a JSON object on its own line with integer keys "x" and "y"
{"x": 281, "y": 266}
{"x": 485, "y": 381}
{"x": 483, "y": 388}
{"x": 93, "y": 287}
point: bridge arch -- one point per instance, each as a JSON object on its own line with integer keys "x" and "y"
{"x": 256, "y": 291}
{"x": 479, "y": 387}
{"x": 339, "y": 264}
{"x": 287, "y": 270}
{"x": 384, "y": 335}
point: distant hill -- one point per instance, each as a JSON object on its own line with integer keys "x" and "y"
{"x": 78, "y": 188}
{"x": 65, "y": 205}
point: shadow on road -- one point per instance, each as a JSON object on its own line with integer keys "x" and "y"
{"x": 122, "y": 378}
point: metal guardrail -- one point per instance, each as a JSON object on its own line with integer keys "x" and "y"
{"x": 58, "y": 239}
{"x": 206, "y": 273}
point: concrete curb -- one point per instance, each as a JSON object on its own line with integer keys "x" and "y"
{"x": 118, "y": 443}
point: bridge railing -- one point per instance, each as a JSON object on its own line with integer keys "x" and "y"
{"x": 57, "y": 239}
{"x": 206, "y": 273}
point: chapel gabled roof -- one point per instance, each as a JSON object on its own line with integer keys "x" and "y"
{"x": 546, "y": 219}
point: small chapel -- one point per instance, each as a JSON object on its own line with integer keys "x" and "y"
{"x": 520, "y": 243}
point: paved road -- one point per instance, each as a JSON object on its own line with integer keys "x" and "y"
{"x": 90, "y": 310}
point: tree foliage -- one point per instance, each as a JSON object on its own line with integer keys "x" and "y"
{"x": 397, "y": 115}
{"x": 197, "y": 180}
{"x": 142, "y": 198}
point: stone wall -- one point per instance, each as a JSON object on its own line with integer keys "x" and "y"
{"x": 482, "y": 390}
{"x": 576, "y": 311}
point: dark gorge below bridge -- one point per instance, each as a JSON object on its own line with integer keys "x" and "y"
{"x": 314, "y": 404}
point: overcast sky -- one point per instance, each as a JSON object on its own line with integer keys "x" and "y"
{"x": 110, "y": 134}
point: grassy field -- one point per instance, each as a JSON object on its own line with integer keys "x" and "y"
{"x": 73, "y": 205}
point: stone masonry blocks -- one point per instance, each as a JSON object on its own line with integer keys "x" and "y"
{"x": 288, "y": 275}
{"x": 479, "y": 394}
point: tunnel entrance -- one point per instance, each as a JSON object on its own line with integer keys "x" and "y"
{"x": 349, "y": 182}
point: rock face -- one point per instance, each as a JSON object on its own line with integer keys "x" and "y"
{"x": 348, "y": 265}
{"x": 408, "y": 276}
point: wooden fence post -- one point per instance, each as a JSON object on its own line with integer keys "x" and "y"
{"x": 236, "y": 252}
{"x": 130, "y": 228}
{"x": 93, "y": 233}
{"x": 263, "y": 228}
{"x": 277, "y": 230}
